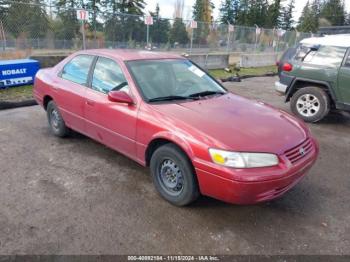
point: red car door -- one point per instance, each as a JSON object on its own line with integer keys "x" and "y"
{"x": 70, "y": 89}
{"x": 111, "y": 123}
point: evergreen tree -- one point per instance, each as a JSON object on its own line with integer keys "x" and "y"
{"x": 257, "y": 13}
{"x": 28, "y": 18}
{"x": 67, "y": 26}
{"x": 134, "y": 7}
{"x": 274, "y": 15}
{"x": 94, "y": 6}
{"x": 287, "y": 16}
{"x": 228, "y": 11}
{"x": 39, "y": 21}
{"x": 347, "y": 20}
{"x": 308, "y": 21}
{"x": 242, "y": 15}
{"x": 3, "y": 9}
{"x": 178, "y": 33}
{"x": 202, "y": 12}
{"x": 159, "y": 31}
{"x": 124, "y": 27}
{"x": 112, "y": 21}
{"x": 334, "y": 12}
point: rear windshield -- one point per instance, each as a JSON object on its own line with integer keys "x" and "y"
{"x": 304, "y": 51}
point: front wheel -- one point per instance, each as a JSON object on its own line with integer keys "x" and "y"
{"x": 173, "y": 175}
{"x": 310, "y": 104}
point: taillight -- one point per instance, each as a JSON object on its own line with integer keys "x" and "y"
{"x": 287, "y": 67}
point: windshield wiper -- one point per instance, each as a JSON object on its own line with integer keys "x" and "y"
{"x": 206, "y": 93}
{"x": 169, "y": 98}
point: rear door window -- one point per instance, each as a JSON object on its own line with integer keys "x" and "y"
{"x": 303, "y": 51}
{"x": 77, "y": 69}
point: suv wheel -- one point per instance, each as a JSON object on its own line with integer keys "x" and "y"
{"x": 310, "y": 103}
{"x": 173, "y": 175}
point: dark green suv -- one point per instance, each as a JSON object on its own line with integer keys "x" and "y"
{"x": 316, "y": 78}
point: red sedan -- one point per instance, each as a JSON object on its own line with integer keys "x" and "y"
{"x": 165, "y": 112}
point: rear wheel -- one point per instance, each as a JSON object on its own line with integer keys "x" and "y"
{"x": 56, "y": 122}
{"x": 173, "y": 175}
{"x": 310, "y": 104}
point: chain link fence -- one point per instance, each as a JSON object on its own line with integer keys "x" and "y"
{"x": 42, "y": 30}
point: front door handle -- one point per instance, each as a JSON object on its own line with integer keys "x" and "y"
{"x": 90, "y": 102}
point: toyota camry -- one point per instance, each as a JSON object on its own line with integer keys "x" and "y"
{"x": 165, "y": 112}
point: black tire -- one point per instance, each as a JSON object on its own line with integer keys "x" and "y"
{"x": 56, "y": 122}
{"x": 307, "y": 111}
{"x": 170, "y": 157}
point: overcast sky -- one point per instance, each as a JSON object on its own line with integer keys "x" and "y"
{"x": 167, "y": 7}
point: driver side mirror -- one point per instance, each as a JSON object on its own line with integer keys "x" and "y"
{"x": 120, "y": 97}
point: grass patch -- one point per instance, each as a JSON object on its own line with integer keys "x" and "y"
{"x": 220, "y": 73}
{"x": 18, "y": 93}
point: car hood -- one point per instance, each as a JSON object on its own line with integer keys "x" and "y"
{"x": 235, "y": 123}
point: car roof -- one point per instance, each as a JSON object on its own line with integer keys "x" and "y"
{"x": 328, "y": 40}
{"x": 129, "y": 54}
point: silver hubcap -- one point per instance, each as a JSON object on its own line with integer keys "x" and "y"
{"x": 171, "y": 177}
{"x": 55, "y": 118}
{"x": 308, "y": 105}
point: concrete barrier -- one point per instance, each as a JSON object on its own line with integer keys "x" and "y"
{"x": 256, "y": 60}
{"x": 215, "y": 61}
{"x": 48, "y": 60}
{"x": 211, "y": 61}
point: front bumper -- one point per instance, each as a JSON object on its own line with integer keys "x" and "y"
{"x": 252, "y": 186}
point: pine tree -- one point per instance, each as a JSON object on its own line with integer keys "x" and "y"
{"x": 228, "y": 11}
{"x": 257, "y": 13}
{"x": 308, "y": 21}
{"x": 94, "y": 6}
{"x": 334, "y": 12}
{"x": 39, "y": 21}
{"x": 242, "y": 14}
{"x": 134, "y": 7}
{"x": 347, "y": 20}
{"x": 178, "y": 33}
{"x": 66, "y": 25}
{"x": 202, "y": 11}
{"x": 27, "y": 18}
{"x": 113, "y": 26}
{"x": 124, "y": 27}
{"x": 287, "y": 16}
{"x": 3, "y": 9}
{"x": 159, "y": 31}
{"x": 274, "y": 15}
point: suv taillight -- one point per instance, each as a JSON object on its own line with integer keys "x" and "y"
{"x": 287, "y": 67}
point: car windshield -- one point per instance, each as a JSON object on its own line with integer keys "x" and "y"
{"x": 172, "y": 79}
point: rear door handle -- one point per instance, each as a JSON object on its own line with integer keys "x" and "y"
{"x": 90, "y": 103}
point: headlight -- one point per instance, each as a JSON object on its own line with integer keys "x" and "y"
{"x": 242, "y": 160}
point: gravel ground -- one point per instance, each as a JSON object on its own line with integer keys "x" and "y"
{"x": 75, "y": 196}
